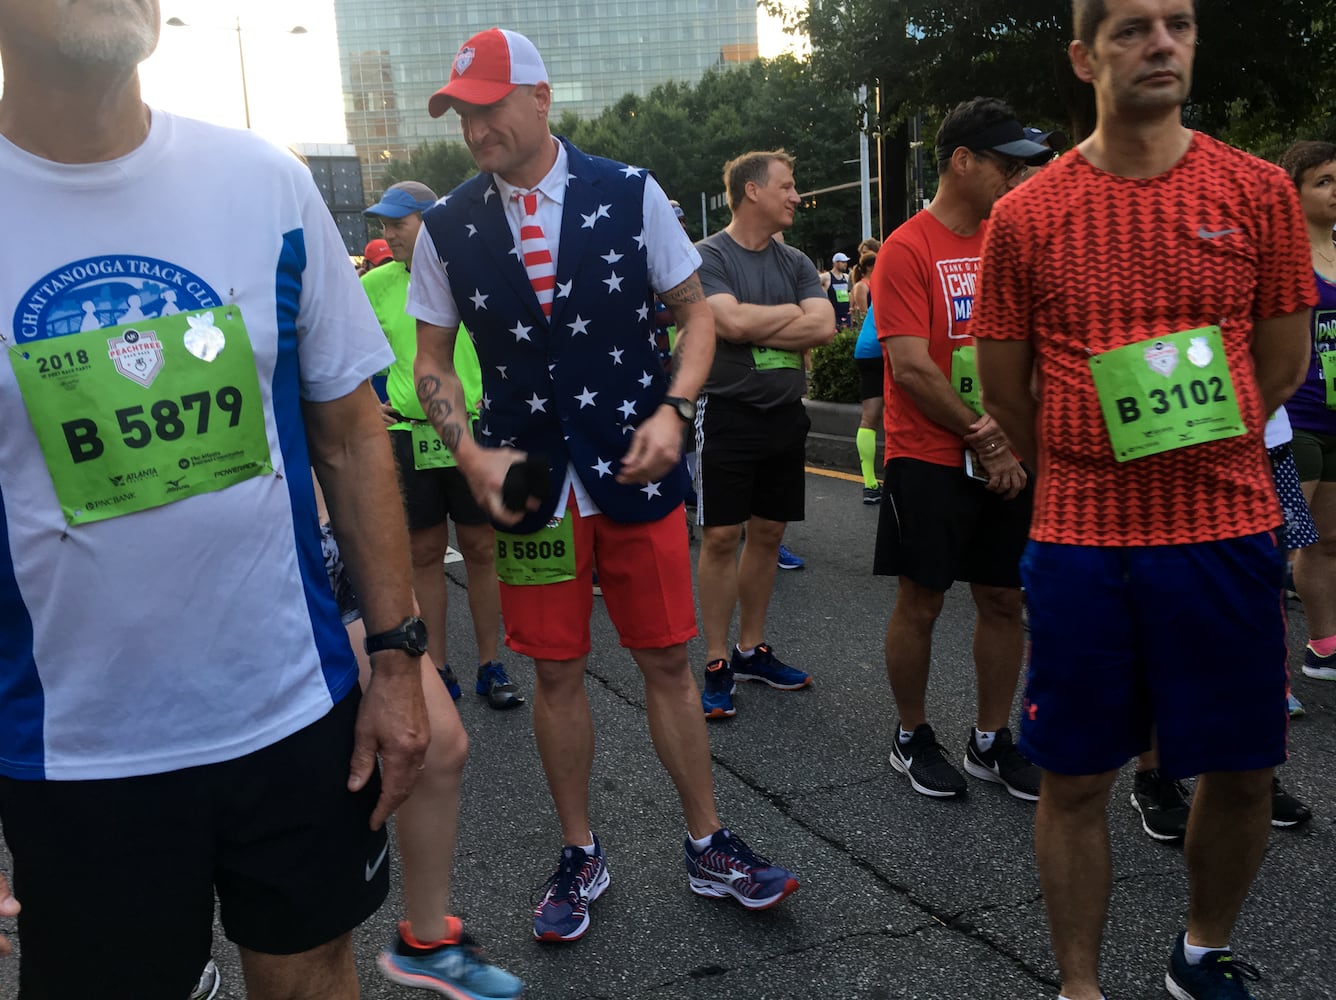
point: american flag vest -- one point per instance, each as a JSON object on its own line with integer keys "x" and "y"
{"x": 572, "y": 390}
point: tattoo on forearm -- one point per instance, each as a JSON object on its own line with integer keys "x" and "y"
{"x": 439, "y": 409}
{"x": 687, "y": 292}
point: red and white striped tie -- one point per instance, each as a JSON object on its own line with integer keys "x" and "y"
{"x": 537, "y": 256}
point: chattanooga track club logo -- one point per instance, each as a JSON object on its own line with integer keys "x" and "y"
{"x": 110, "y": 290}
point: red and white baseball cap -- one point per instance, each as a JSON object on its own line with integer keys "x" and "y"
{"x": 488, "y": 67}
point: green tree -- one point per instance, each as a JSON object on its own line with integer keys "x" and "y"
{"x": 442, "y": 166}
{"x": 1263, "y": 69}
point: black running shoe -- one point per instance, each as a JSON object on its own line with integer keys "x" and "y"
{"x": 1219, "y": 976}
{"x": 1004, "y": 764}
{"x": 923, "y": 761}
{"x": 1286, "y": 810}
{"x": 1163, "y": 804}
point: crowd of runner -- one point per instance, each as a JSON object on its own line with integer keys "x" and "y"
{"x": 1080, "y": 364}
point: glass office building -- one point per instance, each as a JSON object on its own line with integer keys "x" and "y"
{"x": 393, "y": 56}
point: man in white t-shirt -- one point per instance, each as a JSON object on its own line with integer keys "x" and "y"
{"x": 550, "y": 258}
{"x": 185, "y": 340}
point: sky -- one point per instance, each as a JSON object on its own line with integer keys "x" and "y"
{"x": 292, "y": 81}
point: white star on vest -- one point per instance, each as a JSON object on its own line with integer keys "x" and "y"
{"x": 645, "y": 379}
{"x": 603, "y": 468}
{"x": 616, "y": 355}
{"x": 521, "y": 332}
{"x": 651, "y": 490}
{"x": 599, "y": 213}
{"x": 614, "y": 282}
{"x": 536, "y": 405}
{"x": 478, "y": 299}
{"x": 473, "y": 230}
{"x": 564, "y": 291}
{"x": 612, "y": 257}
{"x": 502, "y": 370}
{"x": 642, "y": 313}
{"x": 631, "y": 171}
{"x": 586, "y": 398}
{"x": 627, "y": 409}
{"x": 579, "y": 326}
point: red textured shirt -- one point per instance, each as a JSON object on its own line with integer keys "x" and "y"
{"x": 1081, "y": 261}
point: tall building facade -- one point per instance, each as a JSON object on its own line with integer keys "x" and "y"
{"x": 393, "y": 56}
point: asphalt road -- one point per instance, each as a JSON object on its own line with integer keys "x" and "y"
{"x": 903, "y": 897}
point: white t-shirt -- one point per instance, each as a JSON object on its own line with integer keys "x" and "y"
{"x": 200, "y": 630}
{"x": 670, "y": 260}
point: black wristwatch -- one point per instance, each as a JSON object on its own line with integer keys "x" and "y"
{"x": 410, "y": 636}
{"x": 686, "y": 408}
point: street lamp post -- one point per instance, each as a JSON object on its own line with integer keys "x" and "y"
{"x": 176, "y": 22}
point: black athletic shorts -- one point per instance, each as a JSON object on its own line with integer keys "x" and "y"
{"x": 752, "y": 461}
{"x": 117, "y": 878}
{"x": 938, "y": 526}
{"x": 871, "y": 377}
{"x": 432, "y": 495}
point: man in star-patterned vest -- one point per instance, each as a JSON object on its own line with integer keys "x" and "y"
{"x": 550, "y": 258}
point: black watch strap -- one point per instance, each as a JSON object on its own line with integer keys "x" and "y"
{"x": 410, "y": 636}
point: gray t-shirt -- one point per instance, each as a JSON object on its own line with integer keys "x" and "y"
{"x": 777, "y": 275}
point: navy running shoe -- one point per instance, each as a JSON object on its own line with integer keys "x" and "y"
{"x": 450, "y": 681}
{"x": 716, "y": 697}
{"x": 580, "y": 878}
{"x": 495, "y": 685}
{"x": 1322, "y": 668}
{"x": 728, "y": 867}
{"x": 765, "y": 667}
{"x": 1219, "y": 976}
{"x": 456, "y": 969}
{"x": 787, "y": 560}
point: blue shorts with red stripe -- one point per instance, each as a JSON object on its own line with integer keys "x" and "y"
{"x": 1187, "y": 639}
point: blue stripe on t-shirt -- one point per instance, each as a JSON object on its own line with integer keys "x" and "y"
{"x": 336, "y": 656}
{"x": 22, "y": 700}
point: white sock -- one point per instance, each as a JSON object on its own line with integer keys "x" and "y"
{"x": 588, "y": 848}
{"x": 746, "y": 654}
{"x": 905, "y": 737}
{"x": 984, "y": 741}
{"x": 1194, "y": 954}
{"x": 699, "y": 845}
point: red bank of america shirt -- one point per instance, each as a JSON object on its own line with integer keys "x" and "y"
{"x": 1080, "y": 262}
{"x": 924, "y": 285}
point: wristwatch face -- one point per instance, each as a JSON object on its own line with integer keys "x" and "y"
{"x": 411, "y": 637}
{"x": 415, "y": 634}
{"x": 686, "y": 408}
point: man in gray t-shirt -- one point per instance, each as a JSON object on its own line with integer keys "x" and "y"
{"x": 751, "y": 427}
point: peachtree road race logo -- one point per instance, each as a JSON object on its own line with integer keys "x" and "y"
{"x": 98, "y": 292}
{"x": 137, "y": 356}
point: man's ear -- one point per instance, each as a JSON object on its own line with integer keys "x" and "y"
{"x": 542, "y": 96}
{"x": 960, "y": 159}
{"x": 1079, "y": 54}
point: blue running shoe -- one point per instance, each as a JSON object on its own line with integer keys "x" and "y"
{"x": 787, "y": 560}
{"x": 1220, "y": 976}
{"x": 1294, "y": 705}
{"x": 764, "y": 666}
{"x": 450, "y": 681}
{"x": 717, "y": 695}
{"x": 495, "y": 685}
{"x": 454, "y": 970}
{"x": 581, "y": 878}
{"x": 728, "y": 867}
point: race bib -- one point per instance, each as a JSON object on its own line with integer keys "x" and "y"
{"x": 142, "y": 414}
{"x": 965, "y": 377}
{"x": 772, "y": 358}
{"x": 546, "y": 556}
{"x": 1327, "y": 362}
{"x": 1166, "y": 393}
{"x": 429, "y": 451}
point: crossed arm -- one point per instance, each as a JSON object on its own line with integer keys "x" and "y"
{"x": 789, "y": 327}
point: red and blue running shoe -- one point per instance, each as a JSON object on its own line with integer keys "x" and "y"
{"x": 728, "y": 867}
{"x": 581, "y": 878}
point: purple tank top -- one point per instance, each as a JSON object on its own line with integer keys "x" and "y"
{"x": 1308, "y": 406}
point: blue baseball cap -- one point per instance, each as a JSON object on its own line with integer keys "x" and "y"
{"x": 402, "y": 199}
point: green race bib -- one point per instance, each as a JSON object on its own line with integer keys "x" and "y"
{"x": 965, "y": 377}
{"x": 771, "y": 358}
{"x": 841, "y": 295}
{"x": 546, "y": 556}
{"x": 429, "y": 451}
{"x": 1166, "y": 393}
{"x": 139, "y": 415}
{"x": 1326, "y": 360}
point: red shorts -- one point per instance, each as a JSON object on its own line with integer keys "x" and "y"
{"x": 645, "y": 572}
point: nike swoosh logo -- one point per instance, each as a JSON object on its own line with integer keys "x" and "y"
{"x": 1211, "y": 234}
{"x": 373, "y": 867}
